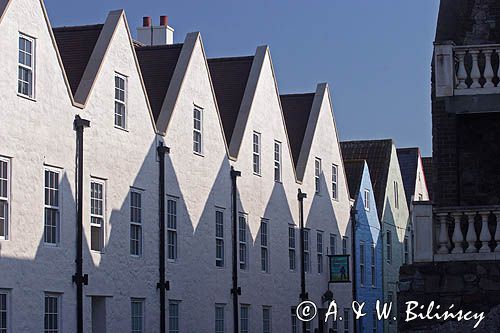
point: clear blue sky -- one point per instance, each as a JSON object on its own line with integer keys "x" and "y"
{"x": 375, "y": 55}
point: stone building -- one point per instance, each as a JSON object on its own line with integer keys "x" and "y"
{"x": 158, "y": 221}
{"x": 457, "y": 234}
{"x": 390, "y": 200}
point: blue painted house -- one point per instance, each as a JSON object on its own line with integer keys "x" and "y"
{"x": 367, "y": 244}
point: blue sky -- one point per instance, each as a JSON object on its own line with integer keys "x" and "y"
{"x": 375, "y": 55}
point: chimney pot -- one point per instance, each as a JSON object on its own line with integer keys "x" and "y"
{"x": 163, "y": 20}
{"x": 146, "y": 21}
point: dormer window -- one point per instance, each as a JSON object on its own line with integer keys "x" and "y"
{"x": 120, "y": 100}
{"x": 26, "y": 66}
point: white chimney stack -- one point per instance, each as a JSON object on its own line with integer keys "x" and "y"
{"x": 155, "y": 35}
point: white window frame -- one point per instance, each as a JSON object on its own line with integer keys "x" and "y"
{"x": 317, "y": 175}
{"x": 373, "y": 265}
{"x": 140, "y": 316}
{"x": 218, "y": 320}
{"x": 362, "y": 266}
{"x": 406, "y": 250}
{"x": 307, "y": 256}
{"x": 292, "y": 245}
{"x": 95, "y": 216}
{"x": 396, "y": 195}
{"x": 219, "y": 238}
{"x": 58, "y": 314}
{"x": 5, "y": 326}
{"x": 267, "y": 321}
{"x": 333, "y": 244}
{"x": 197, "y": 132}
{"x": 177, "y": 305}
{"x": 244, "y": 318}
{"x": 366, "y": 196}
{"x": 264, "y": 245}
{"x": 120, "y": 102}
{"x": 243, "y": 240}
{"x": 335, "y": 182}
{"x": 54, "y": 207}
{"x": 172, "y": 226}
{"x": 388, "y": 242}
{"x": 277, "y": 161}
{"x": 256, "y": 153}
{"x": 5, "y": 199}
{"x": 30, "y": 69}
{"x": 319, "y": 249}
{"x": 344, "y": 244}
{"x": 136, "y": 222}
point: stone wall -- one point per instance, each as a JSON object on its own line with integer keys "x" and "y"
{"x": 473, "y": 286}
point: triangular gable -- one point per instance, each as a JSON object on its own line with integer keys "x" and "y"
{"x": 354, "y": 170}
{"x": 408, "y": 159}
{"x": 377, "y": 154}
{"x": 4, "y": 6}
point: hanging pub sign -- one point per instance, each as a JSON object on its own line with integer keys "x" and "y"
{"x": 339, "y": 268}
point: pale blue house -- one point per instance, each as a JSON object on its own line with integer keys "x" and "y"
{"x": 367, "y": 244}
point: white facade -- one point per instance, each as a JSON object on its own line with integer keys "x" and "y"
{"x": 124, "y": 161}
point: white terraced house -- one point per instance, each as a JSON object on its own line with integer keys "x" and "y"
{"x": 151, "y": 168}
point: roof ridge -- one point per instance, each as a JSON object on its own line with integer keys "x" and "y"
{"x": 231, "y": 58}
{"x": 158, "y": 47}
{"x": 298, "y": 94}
{"x": 79, "y": 27}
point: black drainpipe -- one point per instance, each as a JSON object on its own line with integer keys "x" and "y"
{"x": 353, "y": 250}
{"x": 163, "y": 285}
{"x": 303, "y": 294}
{"x": 79, "y": 278}
{"x": 235, "y": 290}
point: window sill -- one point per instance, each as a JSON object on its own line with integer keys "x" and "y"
{"x": 121, "y": 128}
{"x": 137, "y": 257}
{"x": 198, "y": 154}
{"x": 26, "y": 97}
{"x": 50, "y": 245}
{"x": 257, "y": 174}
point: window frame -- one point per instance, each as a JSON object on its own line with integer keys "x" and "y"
{"x": 30, "y": 69}
{"x": 198, "y": 131}
{"x": 319, "y": 251}
{"x": 366, "y": 196}
{"x": 219, "y": 238}
{"x": 245, "y": 307}
{"x": 102, "y": 232}
{"x": 346, "y": 319}
{"x": 256, "y": 153}
{"x": 136, "y": 224}
{"x": 58, "y": 298}
{"x": 373, "y": 263}
{"x": 335, "y": 182}
{"x": 51, "y": 207}
{"x": 264, "y": 245}
{"x": 388, "y": 243}
{"x": 317, "y": 175}
{"x": 172, "y": 229}
{"x": 277, "y": 161}
{"x": 6, "y": 293}
{"x": 243, "y": 241}
{"x": 269, "y": 320}
{"x": 171, "y": 317}
{"x": 333, "y": 243}
{"x": 141, "y": 302}
{"x": 6, "y": 199}
{"x": 396, "y": 195}
{"x": 292, "y": 246}
{"x": 307, "y": 255}
{"x": 123, "y": 103}
{"x": 406, "y": 250}
{"x": 362, "y": 262}
{"x": 219, "y": 306}
{"x": 344, "y": 245}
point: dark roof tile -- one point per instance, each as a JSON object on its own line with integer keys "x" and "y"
{"x": 354, "y": 173}
{"x": 296, "y": 110}
{"x": 427, "y": 166}
{"x": 408, "y": 163}
{"x": 157, "y": 67}
{"x": 229, "y": 78}
{"x": 76, "y": 45}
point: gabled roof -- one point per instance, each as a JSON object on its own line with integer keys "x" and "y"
{"x": 408, "y": 163}
{"x": 469, "y": 22}
{"x": 427, "y": 166}
{"x": 76, "y": 45}
{"x": 377, "y": 154}
{"x": 296, "y": 110}
{"x": 354, "y": 173}
{"x": 157, "y": 65}
{"x": 229, "y": 79}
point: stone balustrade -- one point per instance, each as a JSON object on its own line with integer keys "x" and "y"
{"x": 457, "y": 233}
{"x": 466, "y": 70}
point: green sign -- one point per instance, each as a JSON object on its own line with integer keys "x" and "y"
{"x": 339, "y": 268}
